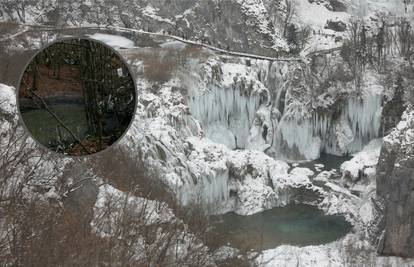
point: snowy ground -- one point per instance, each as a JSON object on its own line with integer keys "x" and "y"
{"x": 114, "y": 41}
{"x": 349, "y": 251}
{"x": 185, "y": 147}
{"x": 189, "y": 127}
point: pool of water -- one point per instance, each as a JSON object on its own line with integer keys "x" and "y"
{"x": 43, "y": 126}
{"x": 298, "y": 225}
{"x": 331, "y": 161}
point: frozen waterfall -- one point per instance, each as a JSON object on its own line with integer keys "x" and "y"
{"x": 211, "y": 190}
{"x": 228, "y": 106}
{"x": 226, "y": 113}
{"x": 303, "y": 136}
{"x": 364, "y": 116}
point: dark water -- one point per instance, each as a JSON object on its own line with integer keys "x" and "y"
{"x": 331, "y": 161}
{"x": 298, "y": 225}
{"x": 43, "y": 126}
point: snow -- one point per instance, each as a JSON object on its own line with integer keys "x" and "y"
{"x": 152, "y": 212}
{"x": 255, "y": 196}
{"x": 299, "y": 132}
{"x": 363, "y": 161}
{"x": 371, "y": 7}
{"x": 174, "y": 45}
{"x": 208, "y": 163}
{"x": 260, "y": 181}
{"x": 308, "y": 134}
{"x": 257, "y": 10}
{"x": 406, "y": 123}
{"x": 348, "y": 251}
{"x": 18, "y": 33}
{"x": 316, "y": 16}
{"x": 193, "y": 150}
{"x": 302, "y": 172}
{"x": 44, "y": 168}
{"x": 231, "y": 104}
{"x": 114, "y": 206}
{"x": 324, "y": 176}
{"x": 279, "y": 44}
{"x": 306, "y": 13}
{"x": 364, "y": 116}
{"x": 225, "y": 252}
{"x": 339, "y": 189}
{"x": 227, "y": 110}
{"x": 152, "y": 12}
{"x": 261, "y": 131}
{"x": 366, "y": 213}
{"x": 7, "y": 99}
{"x": 259, "y": 17}
{"x": 221, "y": 134}
{"x": 114, "y": 41}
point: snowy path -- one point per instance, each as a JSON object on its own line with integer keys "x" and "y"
{"x": 211, "y": 47}
{"x": 214, "y": 48}
{"x": 324, "y": 51}
{"x": 15, "y": 35}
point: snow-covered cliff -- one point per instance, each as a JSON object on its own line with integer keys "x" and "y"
{"x": 394, "y": 183}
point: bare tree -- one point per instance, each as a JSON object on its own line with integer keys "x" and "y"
{"x": 354, "y": 52}
{"x": 16, "y": 7}
{"x": 290, "y": 11}
{"x": 37, "y": 229}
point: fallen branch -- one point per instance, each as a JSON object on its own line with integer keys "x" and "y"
{"x": 59, "y": 120}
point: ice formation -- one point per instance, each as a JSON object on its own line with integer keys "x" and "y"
{"x": 364, "y": 162}
{"x": 364, "y": 116}
{"x": 7, "y": 99}
{"x": 359, "y": 123}
{"x": 249, "y": 107}
{"x": 348, "y": 251}
{"x": 227, "y": 110}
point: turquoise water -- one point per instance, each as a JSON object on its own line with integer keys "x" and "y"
{"x": 298, "y": 225}
{"x": 43, "y": 126}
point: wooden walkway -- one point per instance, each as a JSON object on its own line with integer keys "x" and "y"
{"x": 198, "y": 43}
{"x": 27, "y": 28}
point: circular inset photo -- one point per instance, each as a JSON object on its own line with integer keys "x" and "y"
{"x": 77, "y": 97}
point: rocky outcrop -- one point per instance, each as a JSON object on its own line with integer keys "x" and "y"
{"x": 247, "y": 26}
{"x": 336, "y": 25}
{"x": 394, "y": 108}
{"x": 338, "y": 6}
{"x": 395, "y": 184}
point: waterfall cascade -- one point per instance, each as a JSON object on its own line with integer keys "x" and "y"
{"x": 364, "y": 116}
{"x": 254, "y": 108}
{"x": 298, "y": 136}
{"x": 226, "y": 113}
{"x": 212, "y": 189}
{"x": 358, "y": 123}
{"x": 229, "y": 116}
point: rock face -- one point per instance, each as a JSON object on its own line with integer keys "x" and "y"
{"x": 337, "y": 26}
{"x": 250, "y": 26}
{"x": 394, "y": 108}
{"x": 395, "y": 184}
{"x": 338, "y": 6}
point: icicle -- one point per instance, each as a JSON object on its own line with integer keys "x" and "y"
{"x": 211, "y": 189}
{"x": 309, "y": 135}
{"x": 226, "y": 107}
{"x": 364, "y": 116}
